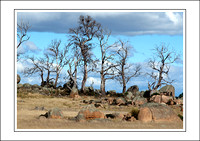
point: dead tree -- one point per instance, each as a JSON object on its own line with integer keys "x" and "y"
{"x": 81, "y": 37}
{"x": 107, "y": 70}
{"x": 125, "y": 70}
{"x": 73, "y": 68}
{"x": 36, "y": 68}
{"x": 160, "y": 65}
{"x": 59, "y": 57}
{"x": 22, "y": 29}
{"x": 47, "y": 64}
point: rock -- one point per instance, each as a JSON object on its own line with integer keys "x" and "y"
{"x": 160, "y": 99}
{"x": 97, "y": 105}
{"x": 168, "y": 90}
{"x": 120, "y": 101}
{"x": 128, "y": 117}
{"x": 89, "y": 113}
{"x": 115, "y": 116}
{"x": 154, "y": 92}
{"x": 54, "y": 113}
{"x": 145, "y": 115}
{"x": 156, "y": 98}
{"x": 139, "y": 101}
{"x": 27, "y": 86}
{"x": 178, "y": 101}
{"x": 110, "y": 100}
{"x": 133, "y": 89}
{"x": 156, "y": 112}
{"x": 35, "y": 86}
{"x": 129, "y": 96}
{"x": 18, "y": 78}
{"x": 74, "y": 93}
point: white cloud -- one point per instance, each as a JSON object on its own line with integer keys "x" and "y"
{"x": 30, "y": 46}
{"x": 92, "y": 80}
{"x": 174, "y": 17}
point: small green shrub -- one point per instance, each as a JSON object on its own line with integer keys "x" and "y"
{"x": 180, "y": 116}
{"x": 134, "y": 112}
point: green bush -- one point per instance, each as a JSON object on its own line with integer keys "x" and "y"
{"x": 180, "y": 116}
{"x": 134, "y": 112}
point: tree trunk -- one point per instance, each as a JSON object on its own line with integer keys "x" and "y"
{"x": 48, "y": 75}
{"x": 123, "y": 79}
{"x": 103, "y": 92}
{"x": 84, "y": 77}
{"x": 42, "y": 83}
{"x": 56, "y": 80}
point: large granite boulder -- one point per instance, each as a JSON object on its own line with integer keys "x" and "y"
{"x": 54, "y": 113}
{"x": 89, "y": 112}
{"x": 137, "y": 101}
{"x": 133, "y": 89}
{"x": 168, "y": 90}
{"x": 156, "y": 112}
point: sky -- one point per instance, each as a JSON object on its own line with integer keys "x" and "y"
{"x": 143, "y": 30}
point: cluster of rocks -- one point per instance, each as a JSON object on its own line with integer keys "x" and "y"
{"x": 148, "y": 112}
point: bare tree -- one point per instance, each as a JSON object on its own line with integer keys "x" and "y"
{"x": 37, "y": 67}
{"x": 47, "y": 64}
{"x": 22, "y": 29}
{"x": 59, "y": 56}
{"x": 125, "y": 71}
{"x": 107, "y": 70}
{"x": 160, "y": 65}
{"x": 73, "y": 68}
{"x": 81, "y": 37}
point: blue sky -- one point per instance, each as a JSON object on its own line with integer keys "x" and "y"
{"x": 143, "y": 30}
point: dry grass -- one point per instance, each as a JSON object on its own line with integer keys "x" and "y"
{"x": 27, "y": 117}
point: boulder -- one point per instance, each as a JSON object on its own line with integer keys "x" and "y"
{"x": 74, "y": 93}
{"x": 110, "y": 100}
{"x": 178, "y": 101}
{"x": 133, "y": 89}
{"x": 168, "y": 90}
{"x": 160, "y": 99}
{"x": 128, "y": 117}
{"x": 89, "y": 113}
{"x": 139, "y": 101}
{"x": 120, "y": 101}
{"x": 129, "y": 96}
{"x": 145, "y": 114}
{"x": 156, "y": 112}
{"x": 18, "y": 78}
{"x": 115, "y": 116}
{"x": 54, "y": 113}
{"x": 27, "y": 86}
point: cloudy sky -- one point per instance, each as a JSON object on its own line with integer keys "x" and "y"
{"x": 143, "y": 30}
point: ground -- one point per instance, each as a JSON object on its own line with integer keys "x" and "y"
{"x": 27, "y": 116}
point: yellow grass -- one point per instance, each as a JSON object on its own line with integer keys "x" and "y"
{"x": 27, "y": 117}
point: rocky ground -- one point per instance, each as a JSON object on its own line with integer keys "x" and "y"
{"x": 30, "y": 105}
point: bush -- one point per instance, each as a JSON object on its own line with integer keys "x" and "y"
{"x": 134, "y": 112}
{"x": 180, "y": 116}
{"x": 181, "y": 95}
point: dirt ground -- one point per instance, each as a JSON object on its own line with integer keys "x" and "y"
{"x": 27, "y": 115}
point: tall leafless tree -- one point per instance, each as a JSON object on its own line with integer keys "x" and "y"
{"x": 73, "y": 67}
{"x": 125, "y": 70}
{"x": 160, "y": 64}
{"x": 59, "y": 56}
{"x": 81, "y": 36}
{"x": 107, "y": 70}
{"x": 22, "y": 29}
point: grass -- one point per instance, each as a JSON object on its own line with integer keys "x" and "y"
{"x": 27, "y": 117}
